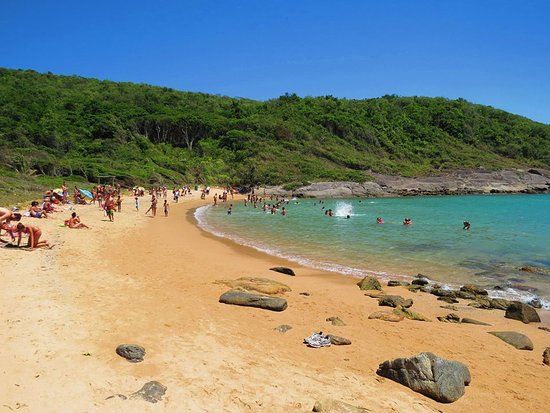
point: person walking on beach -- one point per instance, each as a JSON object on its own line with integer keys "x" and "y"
{"x": 137, "y": 203}
{"x": 166, "y": 208}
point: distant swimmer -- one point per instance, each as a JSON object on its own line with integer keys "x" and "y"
{"x": 466, "y": 225}
{"x": 407, "y": 221}
{"x": 379, "y": 220}
{"x": 283, "y": 211}
{"x": 348, "y": 217}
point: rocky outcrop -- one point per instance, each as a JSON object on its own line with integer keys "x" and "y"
{"x": 284, "y": 270}
{"x": 411, "y": 315}
{"x": 369, "y": 283}
{"x": 386, "y": 316}
{"x": 522, "y": 312}
{"x": 246, "y": 299}
{"x": 396, "y": 283}
{"x": 261, "y": 285}
{"x": 394, "y": 301}
{"x": 437, "y": 378}
{"x": 518, "y": 340}
{"x": 131, "y": 352}
{"x": 546, "y": 356}
{"x": 473, "y": 289}
{"x": 449, "y": 318}
{"x": 477, "y": 181}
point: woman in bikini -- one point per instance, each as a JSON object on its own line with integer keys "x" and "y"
{"x": 34, "y": 236}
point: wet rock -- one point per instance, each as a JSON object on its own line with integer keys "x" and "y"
{"x": 473, "y": 289}
{"x": 440, "y": 292}
{"x": 336, "y": 406}
{"x": 449, "y": 300}
{"x": 338, "y": 341}
{"x": 411, "y": 315}
{"x": 546, "y": 356}
{"x": 257, "y": 284}
{"x": 336, "y": 321}
{"x": 472, "y": 321}
{"x": 394, "y": 301}
{"x": 420, "y": 281}
{"x": 437, "y": 378}
{"x": 518, "y": 340}
{"x": 422, "y": 276}
{"x": 499, "y": 303}
{"x": 369, "y": 283}
{"x": 395, "y": 283}
{"x": 283, "y": 328}
{"x": 465, "y": 295}
{"x": 131, "y": 352}
{"x": 449, "y": 318}
{"x": 283, "y": 270}
{"x": 151, "y": 392}
{"x": 414, "y": 288}
{"x": 386, "y": 316}
{"x": 253, "y": 300}
{"x": 535, "y": 303}
{"x": 522, "y": 312}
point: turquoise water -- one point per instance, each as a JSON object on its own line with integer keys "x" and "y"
{"x": 507, "y": 232}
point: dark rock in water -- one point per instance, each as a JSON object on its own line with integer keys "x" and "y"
{"x": 336, "y": 321}
{"x": 518, "y": 340}
{"x": 472, "y": 321}
{"x": 395, "y": 283}
{"x": 151, "y": 392}
{"x": 449, "y": 300}
{"x": 422, "y": 276}
{"x": 535, "y": 270}
{"x": 386, "y": 316}
{"x": 449, "y": 318}
{"x": 545, "y": 329}
{"x": 394, "y": 301}
{"x": 535, "y": 303}
{"x": 131, "y": 352}
{"x": 499, "y": 288}
{"x": 473, "y": 289}
{"x": 437, "y": 378}
{"x": 283, "y": 328}
{"x": 414, "y": 288}
{"x": 420, "y": 281}
{"x": 283, "y": 270}
{"x": 338, "y": 341}
{"x": 522, "y": 312}
{"x": 369, "y": 283}
{"x": 336, "y": 406}
{"x": 253, "y": 300}
{"x": 546, "y": 356}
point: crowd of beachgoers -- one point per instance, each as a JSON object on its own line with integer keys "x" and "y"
{"x": 16, "y": 225}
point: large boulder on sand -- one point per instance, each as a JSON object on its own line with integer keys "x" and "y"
{"x": 522, "y": 312}
{"x": 369, "y": 283}
{"x": 261, "y": 285}
{"x": 394, "y": 301}
{"x": 440, "y": 379}
{"x": 518, "y": 340}
{"x": 253, "y": 300}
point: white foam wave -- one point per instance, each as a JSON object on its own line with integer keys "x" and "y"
{"x": 343, "y": 209}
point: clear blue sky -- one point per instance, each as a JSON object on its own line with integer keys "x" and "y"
{"x": 494, "y": 52}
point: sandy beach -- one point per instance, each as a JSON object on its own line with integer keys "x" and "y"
{"x": 152, "y": 282}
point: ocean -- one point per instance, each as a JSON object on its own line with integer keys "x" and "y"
{"x": 508, "y": 232}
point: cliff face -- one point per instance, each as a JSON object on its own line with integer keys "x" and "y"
{"x": 455, "y": 183}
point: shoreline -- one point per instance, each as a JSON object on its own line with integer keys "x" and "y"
{"x": 153, "y": 282}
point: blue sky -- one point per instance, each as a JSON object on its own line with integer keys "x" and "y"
{"x": 494, "y": 52}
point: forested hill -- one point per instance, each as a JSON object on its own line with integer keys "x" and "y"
{"x": 67, "y": 125}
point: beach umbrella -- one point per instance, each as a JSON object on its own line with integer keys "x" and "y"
{"x": 85, "y": 192}
{"x": 58, "y": 191}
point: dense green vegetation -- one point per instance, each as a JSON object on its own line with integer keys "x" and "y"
{"x": 60, "y": 126}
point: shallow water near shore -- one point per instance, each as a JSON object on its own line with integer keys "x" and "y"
{"x": 508, "y": 232}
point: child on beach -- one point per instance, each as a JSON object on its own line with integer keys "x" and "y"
{"x": 137, "y": 203}
{"x": 166, "y": 208}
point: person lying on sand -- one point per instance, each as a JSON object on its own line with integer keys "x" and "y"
{"x": 74, "y": 222}
{"x": 34, "y": 236}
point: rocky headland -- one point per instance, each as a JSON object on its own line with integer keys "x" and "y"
{"x": 463, "y": 182}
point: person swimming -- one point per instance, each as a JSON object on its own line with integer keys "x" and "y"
{"x": 379, "y": 220}
{"x": 466, "y": 225}
{"x": 407, "y": 221}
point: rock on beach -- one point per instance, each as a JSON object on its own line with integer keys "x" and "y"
{"x": 440, "y": 379}
{"x": 253, "y": 300}
{"x": 518, "y": 340}
{"x": 369, "y": 283}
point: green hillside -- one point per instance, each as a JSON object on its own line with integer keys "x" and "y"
{"x": 58, "y": 126}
